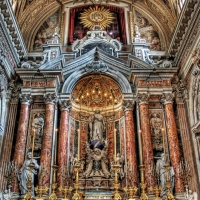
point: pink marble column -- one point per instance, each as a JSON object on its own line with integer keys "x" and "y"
{"x": 45, "y": 159}
{"x": 63, "y": 141}
{"x": 173, "y": 141}
{"x": 21, "y": 135}
{"x": 110, "y": 135}
{"x": 130, "y": 139}
{"x": 146, "y": 138}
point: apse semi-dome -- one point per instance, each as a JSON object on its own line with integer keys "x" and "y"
{"x": 96, "y": 91}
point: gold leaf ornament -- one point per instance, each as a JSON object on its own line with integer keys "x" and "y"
{"x": 96, "y": 16}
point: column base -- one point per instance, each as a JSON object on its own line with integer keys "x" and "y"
{"x": 179, "y": 196}
{"x": 151, "y": 196}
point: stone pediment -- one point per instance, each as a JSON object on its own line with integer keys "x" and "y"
{"x": 81, "y": 62}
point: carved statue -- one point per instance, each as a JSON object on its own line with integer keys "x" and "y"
{"x": 97, "y": 126}
{"x": 24, "y": 174}
{"x": 37, "y": 125}
{"x": 160, "y": 170}
{"x": 156, "y": 123}
{"x": 97, "y": 161}
{"x": 119, "y": 161}
{"x": 189, "y": 195}
{"x": 7, "y": 195}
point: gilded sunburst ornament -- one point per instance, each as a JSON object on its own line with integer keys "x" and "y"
{"x": 96, "y": 16}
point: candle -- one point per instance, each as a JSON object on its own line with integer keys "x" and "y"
{"x": 115, "y": 144}
{"x": 141, "y": 144}
{"x": 78, "y": 144}
{"x": 55, "y": 147}
{"x": 33, "y": 144}
{"x": 164, "y": 150}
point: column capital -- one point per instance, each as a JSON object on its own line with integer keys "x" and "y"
{"x": 50, "y": 98}
{"x": 143, "y": 98}
{"x": 181, "y": 92}
{"x": 167, "y": 98}
{"x": 65, "y": 105}
{"x": 128, "y": 105}
{"x": 25, "y": 98}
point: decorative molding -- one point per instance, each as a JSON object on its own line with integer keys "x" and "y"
{"x": 50, "y": 98}
{"x": 128, "y": 105}
{"x": 25, "y": 98}
{"x": 96, "y": 66}
{"x": 143, "y": 98}
{"x": 180, "y": 91}
{"x": 167, "y": 98}
{"x": 65, "y": 105}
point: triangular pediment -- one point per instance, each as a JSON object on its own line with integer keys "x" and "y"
{"x": 82, "y": 61}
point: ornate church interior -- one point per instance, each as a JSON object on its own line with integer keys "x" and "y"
{"x": 100, "y": 99}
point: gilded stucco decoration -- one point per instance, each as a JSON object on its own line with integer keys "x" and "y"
{"x": 96, "y": 91}
{"x": 96, "y": 16}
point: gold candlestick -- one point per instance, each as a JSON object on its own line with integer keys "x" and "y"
{"x": 157, "y": 191}
{"x": 54, "y": 184}
{"x": 65, "y": 190}
{"x": 28, "y": 195}
{"x": 143, "y": 185}
{"x": 168, "y": 184}
{"x": 77, "y": 195}
{"x": 131, "y": 192}
{"x": 40, "y": 190}
{"x": 117, "y": 195}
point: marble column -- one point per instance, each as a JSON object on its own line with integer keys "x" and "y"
{"x": 174, "y": 149}
{"x": 130, "y": 139}
{"x": 9, "y": 132}
{"x": 63, "y": 141}
{"x": 146, "y": 138}
{"x": 45, "y": 159}
{"x": 20, "y": 145}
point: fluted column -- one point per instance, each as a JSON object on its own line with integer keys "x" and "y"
{"x": 146, "y": 138}
{"x": 130, "y": 138}
{"x": 63, "y": 141}
{"x": 12, "y": 95}
{"x": 45, "y": 159}
{"x": 21, "y": 134}
{"x": 174, "y": 148}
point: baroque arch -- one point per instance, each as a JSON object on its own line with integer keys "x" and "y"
{"x": 118, "y": 77}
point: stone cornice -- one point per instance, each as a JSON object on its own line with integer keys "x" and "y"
{"x": 184, "y": 29}
{"x": 11, "y": 30}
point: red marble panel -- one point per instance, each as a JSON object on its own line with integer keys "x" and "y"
{"x": 45, "y": 158}
{"x": 142, "y": 83}
{"x": 27, "y": 83}
{"x": 110, "y": 136}
{"x": 174, "y": 148}
{"x": 51, "y": 83}
{"x": 21, "y": 140}
{"x": 130, "y": 144}
{"x": 83, "y": 138}
{"x": 147, "y": 144}
{"x": 62, "y": 146}
{"x": 38, "y": 84}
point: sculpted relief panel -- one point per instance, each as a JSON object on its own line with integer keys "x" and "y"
{"x": 36, "y": 130}
{"x": 156, "y": 124}
{"x": 148, "y": 31}
{"x": 46, "y": 31}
